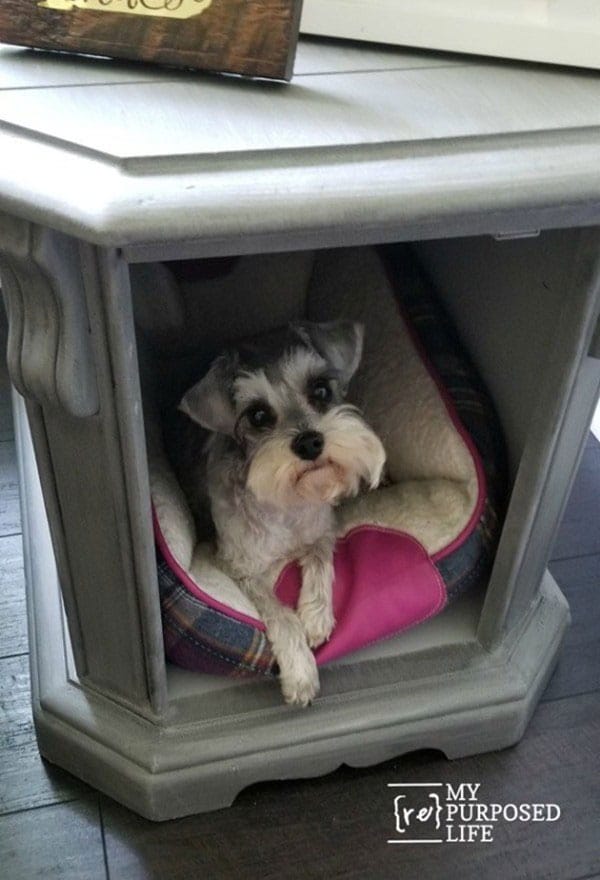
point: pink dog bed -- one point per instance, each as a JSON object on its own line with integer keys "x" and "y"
{"x": 404, "y": 550}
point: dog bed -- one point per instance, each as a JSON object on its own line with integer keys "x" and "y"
{"x": 406, "y": 549}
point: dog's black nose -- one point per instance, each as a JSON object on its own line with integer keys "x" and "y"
{"x": 308, "y": 445}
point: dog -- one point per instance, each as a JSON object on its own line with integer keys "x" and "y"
{"x": 274, "y": 448}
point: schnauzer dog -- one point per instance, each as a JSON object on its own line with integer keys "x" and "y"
{"x": 282, "y": 449}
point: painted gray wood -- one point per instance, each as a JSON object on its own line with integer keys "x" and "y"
{"x": 320, "y": 113}
{"x": 411, "y": 143}
{"x": 226, "y": 167}
{"x": 506, "y": 298}
{"x": 26, "y": 69}
{"x": 527, "y": 310}
{"x": 48, "y": 350}
{"x": 107, "y": 283}
{"x": 70, "y": 333}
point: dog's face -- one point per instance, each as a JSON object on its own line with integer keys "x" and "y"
{"x": 281, "y": 397}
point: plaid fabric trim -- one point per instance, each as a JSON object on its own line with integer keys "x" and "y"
{"x": 470, "y": 564}
{"x": 202, "y": 639}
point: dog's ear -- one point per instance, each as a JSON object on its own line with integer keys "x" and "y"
{"x": 340, "y": 343}
{"x": 210, "y": 401}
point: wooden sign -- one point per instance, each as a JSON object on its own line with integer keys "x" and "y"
{"x": 250, "y": 37}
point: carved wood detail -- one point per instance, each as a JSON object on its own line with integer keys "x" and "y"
{"x": 49, "y": 354}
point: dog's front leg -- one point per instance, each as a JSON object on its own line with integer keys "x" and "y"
{"x": 298, "y": 674}
{"x": 315, "y": 605}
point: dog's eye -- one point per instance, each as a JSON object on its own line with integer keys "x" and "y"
{"x": 320, "y": 391}
{"x": 261, "y": 416}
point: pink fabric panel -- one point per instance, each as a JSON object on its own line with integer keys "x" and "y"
{"x": 384, "y": 583}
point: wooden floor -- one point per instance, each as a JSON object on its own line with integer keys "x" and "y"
{"x": 53, "y": 826}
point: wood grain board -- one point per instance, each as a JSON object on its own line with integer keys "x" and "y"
{"x": 250, "y": 37}
{"x": 64, "y": 842}
{"x": 10, "y": 512}
{"x": 6, "y": 425}
{"x": 13, "y": 618}
{"x": 579, "y": 578}
{"x": 26, "y": 781}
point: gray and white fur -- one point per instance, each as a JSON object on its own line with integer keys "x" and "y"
{"x": 278, "y": 449}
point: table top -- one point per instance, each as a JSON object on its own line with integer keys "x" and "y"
{"x": 404, "y": 143}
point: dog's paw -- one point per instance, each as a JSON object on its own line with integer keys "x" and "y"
{"x": 300, "y": 682}
{"x": 317, "y": 622}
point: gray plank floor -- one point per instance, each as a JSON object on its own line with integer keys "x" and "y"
{"x": 52, "y": 825}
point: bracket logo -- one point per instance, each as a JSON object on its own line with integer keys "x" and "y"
{"x": 437, "y": 812}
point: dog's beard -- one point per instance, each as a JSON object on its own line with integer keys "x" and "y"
{"x": 352, "y": 454}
